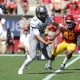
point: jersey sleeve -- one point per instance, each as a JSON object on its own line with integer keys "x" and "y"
{"x": 34, "y": 26}
{"x": 34, "y": 22}
{"x": 36, "y": 31}
{"x": 50, "y": 20}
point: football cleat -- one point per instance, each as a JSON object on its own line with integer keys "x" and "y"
{"x": 47, "y": 68}
{"x": 20, "y": 71}
{"x": 62, "y": 66}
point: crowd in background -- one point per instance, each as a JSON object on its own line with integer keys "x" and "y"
{"x": 62, "y": 6}
{"x": 7, "y": 36}
{"x": 11, "y": 6}
{"x": 57, "y": 7}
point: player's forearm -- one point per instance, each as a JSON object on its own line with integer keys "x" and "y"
{"x": 41, "y": 39}
{"x": 56, "y": 34}
{"x": 48, "y": 27}
{"x": 58, "y": 24}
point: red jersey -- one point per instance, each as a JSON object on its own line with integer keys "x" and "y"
{"x": 70, "y": 5}
{"x": 73, "y": 11}
{"x": 52, "y": 28}
{"x": 78, "y": 3}
{"x": 70, "y": 35}
{"x": 1, "y": 1}
{"x": 46, "y": 1}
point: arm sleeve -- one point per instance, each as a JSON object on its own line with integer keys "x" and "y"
{"x": 36, "y": 31}
{"x": 34, "y": 27}
{"x": 50, "y": 20}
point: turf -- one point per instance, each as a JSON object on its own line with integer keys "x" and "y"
{"x": 9, "y": 66}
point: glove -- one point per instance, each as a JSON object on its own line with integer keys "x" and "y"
{"x": 60, "y": 25}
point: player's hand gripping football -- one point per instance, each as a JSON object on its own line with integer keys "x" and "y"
{"x": 48, "y": 39}
{"x": 49, "y": 42}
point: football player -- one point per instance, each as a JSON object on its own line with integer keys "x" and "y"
{"x": 37, "y": 27}
{"x": 50, "y": 30}
{"x": 69, "y": 42}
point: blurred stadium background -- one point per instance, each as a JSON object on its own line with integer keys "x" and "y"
{"x": 51, "y": 5}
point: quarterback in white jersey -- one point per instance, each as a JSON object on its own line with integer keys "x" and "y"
{"x": 37, "y": 28}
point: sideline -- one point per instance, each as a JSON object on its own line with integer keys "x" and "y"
{"x": 58, "y": 71}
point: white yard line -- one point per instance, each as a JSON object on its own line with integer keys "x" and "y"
{"x": 57, "y": 71}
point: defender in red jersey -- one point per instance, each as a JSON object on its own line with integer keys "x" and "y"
{"x": 69, "y": 42}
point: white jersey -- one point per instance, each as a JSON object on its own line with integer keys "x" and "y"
{"x": 4, "y": 35}
{"x": 37, "y": 26}
{"x": 25, "y": 40}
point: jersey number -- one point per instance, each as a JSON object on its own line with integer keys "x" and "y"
{"x": 69, "y": 35}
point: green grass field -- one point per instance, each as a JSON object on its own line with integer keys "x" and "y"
{"x": 9, "y": 66}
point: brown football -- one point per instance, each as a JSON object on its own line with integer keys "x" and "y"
{"x": 46, "y": 38}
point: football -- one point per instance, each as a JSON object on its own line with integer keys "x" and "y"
{"x": 46, "y": 38}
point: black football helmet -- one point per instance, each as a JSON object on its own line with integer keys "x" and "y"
{"x": 41, "y": 12}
